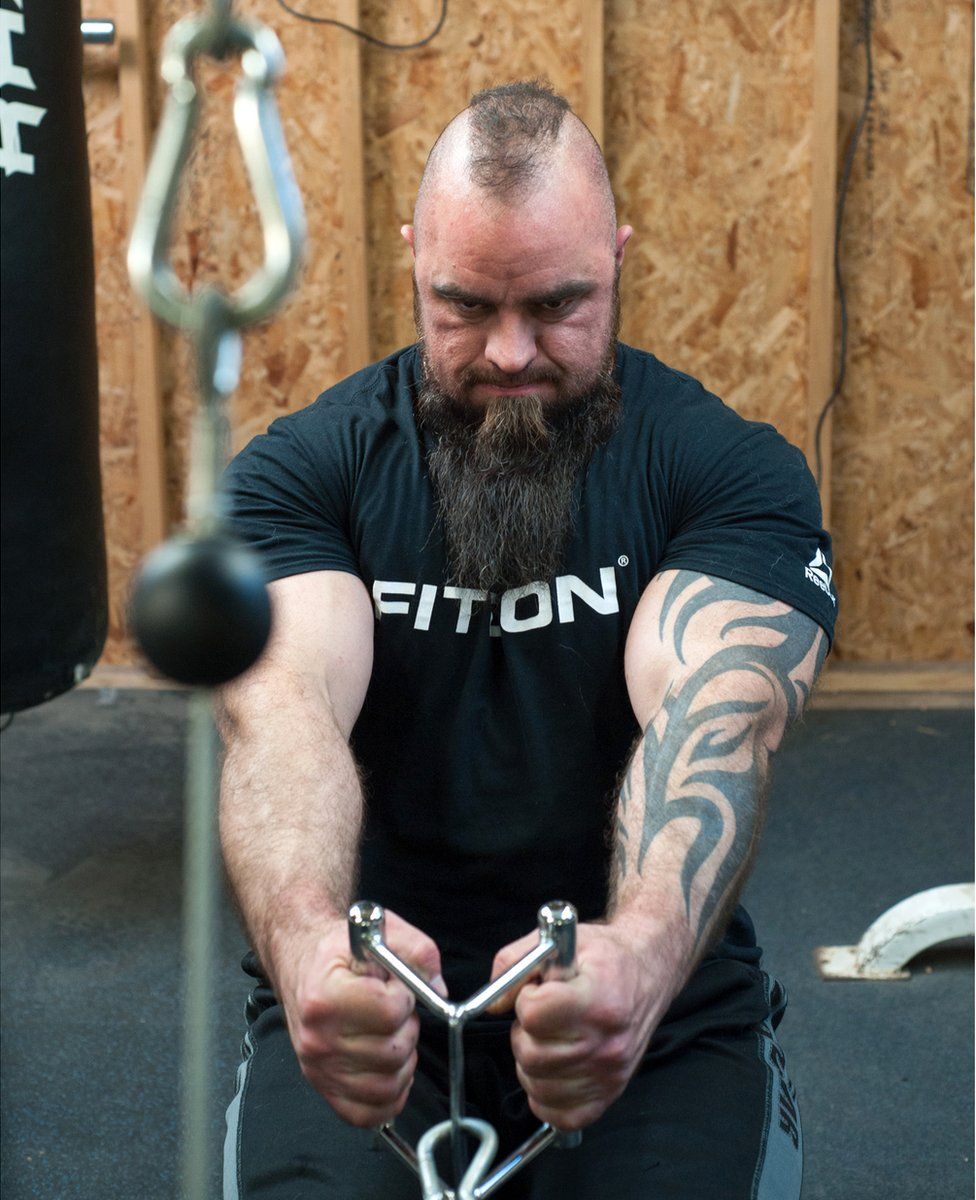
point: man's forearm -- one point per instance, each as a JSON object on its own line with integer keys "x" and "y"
{"x": 691, "y": 804}
{"x": 684, "y": 842}
{"x": 290, "y": 817}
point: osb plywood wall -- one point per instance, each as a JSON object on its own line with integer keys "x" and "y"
{"x": 116, "y": 323}
{"x": 708, "y": 143}
{"x": 708, "y": 127}
{"x": 902, "y": 467}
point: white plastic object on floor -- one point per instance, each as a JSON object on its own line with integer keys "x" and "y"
{"x": 900, "y": 933}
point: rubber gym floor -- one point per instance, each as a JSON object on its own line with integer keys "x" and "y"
{"x": 867, "y": 807}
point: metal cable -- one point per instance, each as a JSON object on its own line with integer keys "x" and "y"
{"x": 213, "y": 319}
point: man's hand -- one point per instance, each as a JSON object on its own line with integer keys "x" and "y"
{"x": 577, "y": 1042}
{"x": 354, "y": 1029}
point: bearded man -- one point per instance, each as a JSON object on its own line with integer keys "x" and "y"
{"x": 544, "y": 608}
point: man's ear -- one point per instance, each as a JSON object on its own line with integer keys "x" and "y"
{"x": 406, "y": 232}
{"x": 623, "y": 237}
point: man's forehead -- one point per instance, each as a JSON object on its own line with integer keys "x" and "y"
{"x": 538, "y": 233}
{"x": 560, "y": 186}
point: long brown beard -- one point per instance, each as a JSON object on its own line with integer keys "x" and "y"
{"x": 505, "y": 476}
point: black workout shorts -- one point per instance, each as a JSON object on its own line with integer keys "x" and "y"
{"x": 709, "y": 1115}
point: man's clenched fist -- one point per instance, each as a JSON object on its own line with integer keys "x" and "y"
{"x": 355, "y": 1030}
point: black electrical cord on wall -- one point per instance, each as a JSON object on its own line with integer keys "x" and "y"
{"x": 866, "y": 12}
{"x": 368, "y": 37}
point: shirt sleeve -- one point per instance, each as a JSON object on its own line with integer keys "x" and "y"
{"x": 292, "y": 510}
{"x": 746, "y": 508}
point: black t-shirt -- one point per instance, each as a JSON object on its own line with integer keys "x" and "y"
{"x": 493, "y": 734}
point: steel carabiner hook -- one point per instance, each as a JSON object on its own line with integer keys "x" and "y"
{"x": 434, "y": 1187}
{"x": 262, "y": 144}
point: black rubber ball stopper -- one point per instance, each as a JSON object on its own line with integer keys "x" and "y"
{"x": 200, "y": 609}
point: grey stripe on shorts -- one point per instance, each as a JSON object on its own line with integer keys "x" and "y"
{"x": 779, "y": 1171}
{"x": 232, "y": 1140}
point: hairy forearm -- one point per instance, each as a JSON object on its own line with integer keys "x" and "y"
{"x": 691, "y": 804}
{"x": 290, "y": 817}
{"x": 688, "y": 821}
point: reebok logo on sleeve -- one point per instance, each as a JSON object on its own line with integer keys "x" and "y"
{"x": 818, "y": 571}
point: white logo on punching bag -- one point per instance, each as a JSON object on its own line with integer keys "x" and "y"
{"x": 13, "y": 114}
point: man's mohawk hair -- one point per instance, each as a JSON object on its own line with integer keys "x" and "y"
{"x": 513, "y": 130}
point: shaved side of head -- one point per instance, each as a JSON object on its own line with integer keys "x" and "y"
{"x": 510, "y": 142}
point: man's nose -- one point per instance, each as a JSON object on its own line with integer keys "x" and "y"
{"x": 511, "y": 344}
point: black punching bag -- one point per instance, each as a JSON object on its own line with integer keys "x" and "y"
{"x": 53, "y": 578}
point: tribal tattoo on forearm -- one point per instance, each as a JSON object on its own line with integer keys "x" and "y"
{"x": 704, "y": 754}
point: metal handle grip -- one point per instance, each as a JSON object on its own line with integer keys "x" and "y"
{"x": 367, "y": 925}
{"x": 557, "y": 924}
{"x": 555, "y": 953}
{"x": 367, "y": 922}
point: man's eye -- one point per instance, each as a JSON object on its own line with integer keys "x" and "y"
{"x": 469, "y": 307}
{"x": 556, "y": 307}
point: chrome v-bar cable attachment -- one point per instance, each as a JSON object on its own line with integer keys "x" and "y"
{"x": 556, "y": 955}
